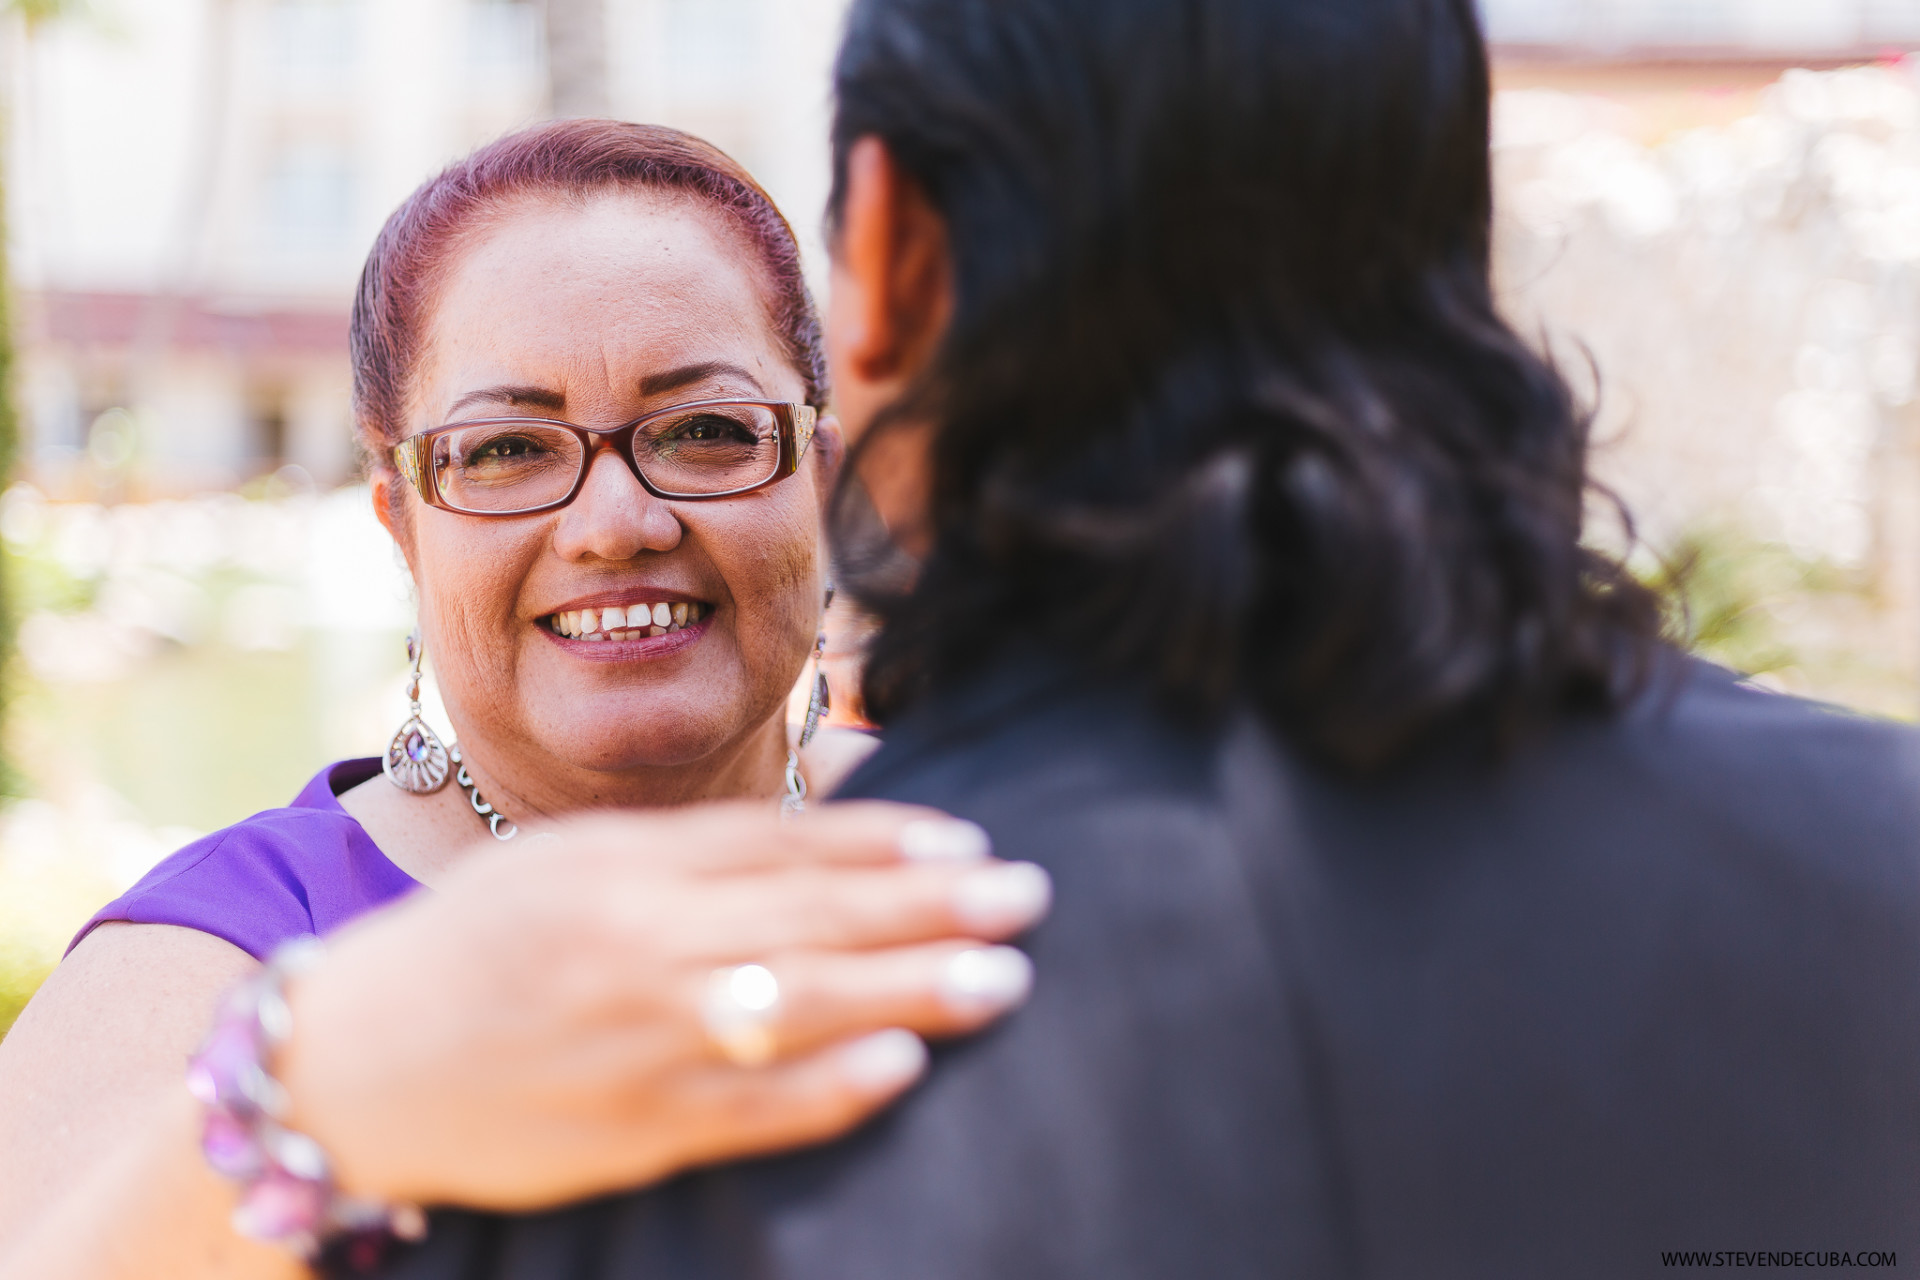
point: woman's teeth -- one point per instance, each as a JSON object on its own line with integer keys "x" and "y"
{"x": 634, "y": 622}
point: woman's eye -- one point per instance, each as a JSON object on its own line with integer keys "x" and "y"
{"x": 711, "y": 427}
{"x": 504, "y": 449}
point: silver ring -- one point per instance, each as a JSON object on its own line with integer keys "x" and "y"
{"x": 738, "y": 1012}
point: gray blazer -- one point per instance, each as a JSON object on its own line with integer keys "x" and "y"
{"x": 1651, "y": 985}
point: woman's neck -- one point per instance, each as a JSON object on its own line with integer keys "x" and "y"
{"x": 751, "y": 766}
{"x": 426, "y": 836}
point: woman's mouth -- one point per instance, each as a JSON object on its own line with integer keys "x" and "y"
{"x": 635, "y": 621}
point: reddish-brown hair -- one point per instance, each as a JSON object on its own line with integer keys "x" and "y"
{"x": 568, "y": 158}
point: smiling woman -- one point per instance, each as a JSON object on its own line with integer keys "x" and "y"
{"x": 699, "y": 382}
{"x": 589, "y": 381}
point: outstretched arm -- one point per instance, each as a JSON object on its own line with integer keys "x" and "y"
{"x": 100, "y": 1167}
{"x": 555, "y": 990}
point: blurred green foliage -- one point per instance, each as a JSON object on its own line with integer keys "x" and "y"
{"x": 23, "y": 967}
{"x": 39, "y": 13}
{"x": 39, "y": 909}
{"x": 199, "y": 737}
{"x": 34, "y": 903}
{"x": 1800, "y": 624}
{"x": 1724, "y": 592}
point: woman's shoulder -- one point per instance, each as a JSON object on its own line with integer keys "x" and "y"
{"x": 307, "y": 868}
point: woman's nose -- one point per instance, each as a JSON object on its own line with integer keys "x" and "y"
{"x": 614, "y": 518}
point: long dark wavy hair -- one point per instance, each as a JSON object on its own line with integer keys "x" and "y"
{"x": 1226, "y": 405}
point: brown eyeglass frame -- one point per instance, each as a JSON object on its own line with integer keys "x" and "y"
{"x": 795, "y": 423}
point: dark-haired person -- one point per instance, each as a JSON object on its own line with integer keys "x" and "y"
{"x": 1419, "y": 913}
{"x": 589, "y": 377}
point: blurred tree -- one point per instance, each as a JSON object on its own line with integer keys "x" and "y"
{"x": 29, "y": 18}
{"x": 576, "y": 56}
{"x": 1725, "y": 591}
{"x": 1766, "y": 610}
{"x": 25, "y": 960}
{"x": 32, "y": 17}
{"x": 37, "y": 12}
{"x": 182, "y": 259}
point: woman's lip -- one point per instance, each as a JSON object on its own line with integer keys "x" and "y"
{"x": 643, "y": 649}
{"x": 624, "y": 597}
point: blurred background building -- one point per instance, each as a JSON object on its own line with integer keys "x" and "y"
{"x": 1708, "y": 210}
{"x": 193, "y": 184}
{"x": 1669, "y": 30}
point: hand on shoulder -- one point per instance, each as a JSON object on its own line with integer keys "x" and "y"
{"x": 561, "y": 987}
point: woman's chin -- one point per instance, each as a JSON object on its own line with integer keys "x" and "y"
{"x": 606, "y": 763}
{"x": 625, "y": 731}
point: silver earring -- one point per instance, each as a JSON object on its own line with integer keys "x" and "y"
{"x": 821, "y": 700}
{"x": 795, "y": 800}
{"x": 416, "y": 759}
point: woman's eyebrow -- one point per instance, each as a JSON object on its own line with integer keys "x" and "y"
{"x": 655, "y": 384}
{"x": 518, "y": 397}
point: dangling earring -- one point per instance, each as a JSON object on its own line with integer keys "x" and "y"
{"x": 822, "y": 701}
{"x": 416, "y": 759}
{"x": 818, "y": 704}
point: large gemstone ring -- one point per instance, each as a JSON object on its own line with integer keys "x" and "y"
{"x": 738, "y": 1012}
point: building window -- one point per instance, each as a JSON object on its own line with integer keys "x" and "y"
{"x": 713, "y": 46}
{"x": 313, "y": 40}
{"x": 309, "y": 199}
{"x": 1761, "y": 26}
{"x": 267, "y": 427}
{"x": 503, "y": 38}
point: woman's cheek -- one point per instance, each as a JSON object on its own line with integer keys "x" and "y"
{"x": 472, "y": 584}
{"x": 769, "y": 558}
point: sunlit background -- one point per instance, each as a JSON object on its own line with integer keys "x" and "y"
{"x": 1709, "y": 210}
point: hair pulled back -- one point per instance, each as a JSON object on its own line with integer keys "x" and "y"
{"x": 569, "y": 159}
{"x": 1225, "y": 404}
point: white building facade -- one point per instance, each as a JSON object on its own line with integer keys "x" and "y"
{"x": 193, "y": 184}
{"x": 1799, "y": 29}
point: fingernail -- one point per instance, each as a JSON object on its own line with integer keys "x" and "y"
{"x": 943, "y": 840}
{"x": 986, "y": 980}
{"x": 998, "y": 899}
{"x": 884, "y": 1060}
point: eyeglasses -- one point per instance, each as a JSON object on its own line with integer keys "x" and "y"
{"x": 688, "y": 453}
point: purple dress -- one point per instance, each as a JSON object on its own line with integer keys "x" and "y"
{"x": 306, "y": 869}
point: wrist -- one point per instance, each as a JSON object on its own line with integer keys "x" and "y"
{"x": 314, "y": 1074}
{"x": 287, "y": 1188}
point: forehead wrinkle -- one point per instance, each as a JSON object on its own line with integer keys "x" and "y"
{"x": 739, "y": 247}
{"x": 458, "y": 245}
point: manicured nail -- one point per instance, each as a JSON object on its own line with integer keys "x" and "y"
{"x": 885, "y": 1060}
{"x": 986, "y": 980}
{"x": 1004, "y": 898}
{"x": 943, "y": 840}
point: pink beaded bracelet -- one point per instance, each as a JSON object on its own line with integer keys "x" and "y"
{"x": 287, "y": 1193}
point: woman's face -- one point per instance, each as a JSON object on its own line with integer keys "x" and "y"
{"x": 597, "y": 313}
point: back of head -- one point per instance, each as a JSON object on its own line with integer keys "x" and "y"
{"x": 1226, "y": 404}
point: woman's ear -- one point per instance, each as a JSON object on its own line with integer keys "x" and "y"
{"x": 383, "y": 494}
{"x": 386, "y": 496}
{"x": 828, "y": 453}
{"x": 892, "y": 284}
